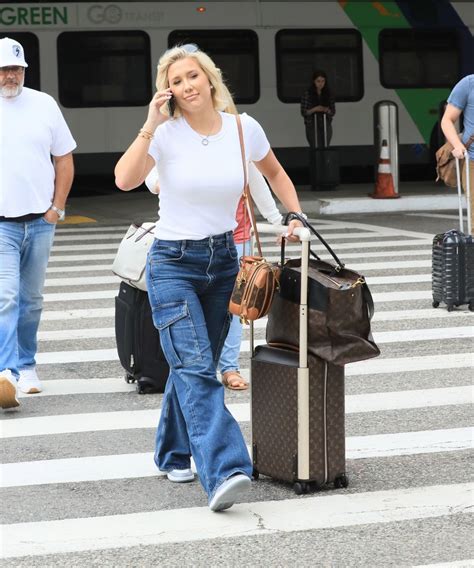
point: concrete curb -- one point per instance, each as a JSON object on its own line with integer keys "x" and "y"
{"x": 342, "y": 205}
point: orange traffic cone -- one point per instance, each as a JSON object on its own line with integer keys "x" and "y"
{"x": 384, "y": 188}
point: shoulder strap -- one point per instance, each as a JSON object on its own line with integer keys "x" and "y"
{"x": 248, "y": 202}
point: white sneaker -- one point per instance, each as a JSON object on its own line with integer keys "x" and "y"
{"x": 29, "y": 382}
{"x": 180, "y": 475}
{"x": 229, "y": 492}
{"x": 8, "y": 390}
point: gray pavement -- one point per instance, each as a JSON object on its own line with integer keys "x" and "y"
{"x": 414, "y": 463}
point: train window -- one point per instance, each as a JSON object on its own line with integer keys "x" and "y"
{"x": 235, "y": 52}
{"x": 104, "y": 69}
{"x": 411, "y": 58}
{"x": 30, "y": 45}
{"x": 338, "y": 52}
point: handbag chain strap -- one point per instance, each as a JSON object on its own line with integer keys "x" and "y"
{"x": 248, "y": 202}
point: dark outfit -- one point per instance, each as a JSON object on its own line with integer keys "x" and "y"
{"x": 309, "y": 100}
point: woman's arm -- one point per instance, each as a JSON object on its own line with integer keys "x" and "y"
{"x": 262, "y": 196}
{"x": 136, "y": 163}
{"x": 281, "y": 185}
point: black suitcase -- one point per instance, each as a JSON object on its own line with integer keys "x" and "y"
{"x": 326, "y": 162}
{"x": 138, "y": 341}
{"x": 297, "y": 410}
{"x": 453, "y": 260}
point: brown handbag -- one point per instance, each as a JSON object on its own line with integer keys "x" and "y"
{"x": 339, "y": 305}
{"x": 257, "y": 279}
{"x": 446, "y": 164}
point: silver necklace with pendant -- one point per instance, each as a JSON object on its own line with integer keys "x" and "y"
{"x": 205, "y": 140}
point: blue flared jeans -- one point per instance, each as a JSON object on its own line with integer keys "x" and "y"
{"x": 189, "y": 285}
{"x": 24, "y": 253}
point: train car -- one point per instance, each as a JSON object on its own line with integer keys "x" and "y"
{"x": 99, "y": 61}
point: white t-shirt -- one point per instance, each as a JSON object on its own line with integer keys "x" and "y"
{"x": 32, "y": 128}
{"x": 200, "y": 186}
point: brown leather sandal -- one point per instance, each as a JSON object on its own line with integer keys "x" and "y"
{"x": 233, "y": 380}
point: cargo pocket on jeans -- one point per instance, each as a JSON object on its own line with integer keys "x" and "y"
{"x": 177, "y": 333}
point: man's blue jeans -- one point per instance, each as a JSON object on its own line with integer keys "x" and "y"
{"x": 24, "y": 253}
{"x": 229, "y": 360}
{"x": 189, "y": 285}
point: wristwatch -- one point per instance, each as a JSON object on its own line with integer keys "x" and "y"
{"x": 61, "y": 212}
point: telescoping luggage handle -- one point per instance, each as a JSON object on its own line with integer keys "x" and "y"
{"x": 468, "y": 194}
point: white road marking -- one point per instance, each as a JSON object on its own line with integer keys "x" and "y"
{"x": 245, "y": 519}
{"x": 360, "y": 266}
{"x": 77, "y": 296}
{"x": 130, "y": 419}
{"x": 89, "y": 236}
{"x": 83, "y": 281}
{"x": 91, "y": 247}
{"x": 128, "y": 466}
{"x": 381, "y": 337}
{"x": 408, "y": 295}
{"x": 59, "y": 315}
{"x": 80, "y": 257}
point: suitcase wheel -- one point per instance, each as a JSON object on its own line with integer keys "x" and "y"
{"x": 341, "y": 481}
{"x": 255, "y": 474}
{"x": 471, "y": 307}
{"x": 129, "y": 378}
{"x": 145, "y": 385}
{"x": 450, "y": 307}
{"x": 301, "y": 487}
{"x": 435, "y": 304}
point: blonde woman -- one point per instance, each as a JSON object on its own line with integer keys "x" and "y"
{"x": 193, "y": 261}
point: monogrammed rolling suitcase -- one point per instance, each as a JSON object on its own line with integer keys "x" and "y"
{"x": 297, "y": 410}
{"x": 453, "y": 259}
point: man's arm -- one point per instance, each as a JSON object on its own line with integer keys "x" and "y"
{"x": 64, "y": 174}
{"x": 450, "y": 117}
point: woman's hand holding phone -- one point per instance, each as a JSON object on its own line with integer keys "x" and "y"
{"x": 155, "y": 116}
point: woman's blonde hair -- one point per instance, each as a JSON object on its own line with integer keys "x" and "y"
{"x": 220, "y": 94}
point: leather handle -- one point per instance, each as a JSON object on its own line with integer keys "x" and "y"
{"x": 293, "y": 215}
{"x": 248, "y": 202}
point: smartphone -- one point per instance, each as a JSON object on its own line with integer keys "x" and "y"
{"x": 171, "y": 106}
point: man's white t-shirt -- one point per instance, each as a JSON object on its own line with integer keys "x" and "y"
{"x": 200, "y": 185}
{"x": 32, "y": 128}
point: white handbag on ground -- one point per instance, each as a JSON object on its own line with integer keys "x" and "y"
{"x": 130, "y": 262}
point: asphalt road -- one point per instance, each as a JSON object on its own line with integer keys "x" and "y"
{"x": 79, "y": 486}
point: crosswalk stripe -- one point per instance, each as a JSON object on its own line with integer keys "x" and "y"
{"x": 247, "y": 519}
{"x": 372, "y": 366}
{"x": 100, "y": 229}
{"x": 61, "y": 387}
{"x": 420, "y": 314}
{"x": 83, "y": 281}
{"x": 378, "y": 244}
{"x": 397, "y": 296}
{"x": 357, "y": 266}
{"x": 129, "y": 419}
{"x": 89, "y": 247}
{"x": 59, "y": 315}
{"x": 128, "y": 466}
{"x": 379, "y": 337}
{"x": 113, "y": 279}
{"x": 116, "y": 236}
{"x": 80, "y": 257}
{"x": 78, "y": 296}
